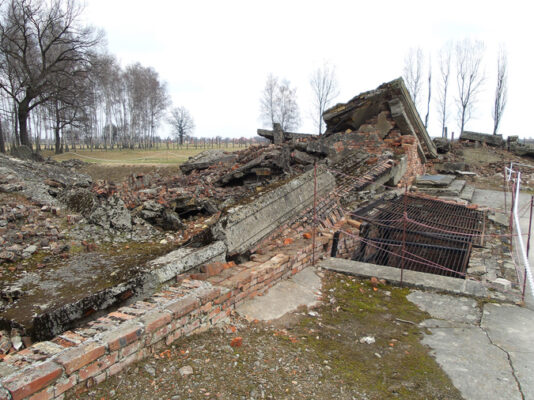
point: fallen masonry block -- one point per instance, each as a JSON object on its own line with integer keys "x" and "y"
{"x": 246, "y": 225}
{"x": 184, "y": 259}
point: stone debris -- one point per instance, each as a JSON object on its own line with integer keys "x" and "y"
{"x": 482, "y": 138}
{"x": 185, "y": 371}
{"x": 367, "y": 340}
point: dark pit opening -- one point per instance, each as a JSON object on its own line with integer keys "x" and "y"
{"x": 436, "y": 237}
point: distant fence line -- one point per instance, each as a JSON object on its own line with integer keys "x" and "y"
{"x": 192, "y": 143}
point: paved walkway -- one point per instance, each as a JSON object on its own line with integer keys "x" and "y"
{"x": 495, "y": 200}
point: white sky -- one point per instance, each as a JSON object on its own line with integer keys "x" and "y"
{"x": 215, "y": 55}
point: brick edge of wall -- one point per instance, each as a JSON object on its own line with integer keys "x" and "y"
{"x": 79, "y": 359}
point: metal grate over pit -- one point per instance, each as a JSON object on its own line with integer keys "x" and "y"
{"x": 435, "y": 237}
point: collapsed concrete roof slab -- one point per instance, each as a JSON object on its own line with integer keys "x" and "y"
{"x": 245, "y": 226}
{"x": 392, "y": 96}
{"x": 268, "y": 134}
{"x": 492, "y": 140}
{"x": 206, "y": 159}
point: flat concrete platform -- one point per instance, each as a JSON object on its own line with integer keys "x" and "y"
{"x": 303, "y": 289}
{"x": 416, "y": 279}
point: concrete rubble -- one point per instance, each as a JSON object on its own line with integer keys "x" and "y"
{"x": 223, "y": 207}
{"x": 225, "y": 230}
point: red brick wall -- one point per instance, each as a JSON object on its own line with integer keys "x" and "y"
{"x": 76, "y": 360}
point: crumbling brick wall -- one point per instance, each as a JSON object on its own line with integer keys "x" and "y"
{"x": 379, "y": 135}
{"x": 77, "y": 360}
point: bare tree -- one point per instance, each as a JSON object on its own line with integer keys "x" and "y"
{"x": 501, "y": 90}
{"x": 278, "y": 104}
{"x": 443, "y": 85}
{"x": 413, "y": 73}
{"x": 182, "y": 123}
{"x": 429, "y": 91}
{"x": 40, "y": 41}
{"x": 325, "y": 90}
{"x": 268, "y": 100}
{"x": 469, "y": 77}
{"x": 2, "y": 140}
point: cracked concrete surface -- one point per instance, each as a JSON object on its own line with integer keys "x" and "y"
{"x": 303, "y": 289}
{"x": 488, "y": 353}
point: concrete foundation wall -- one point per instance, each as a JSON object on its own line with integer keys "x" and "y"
{"x": 245, "y": 226}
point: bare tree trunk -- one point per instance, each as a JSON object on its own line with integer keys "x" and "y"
{"x": 2, "y": 143}
{"x": 23, "y": 113}
{"x": 429, "y": 91}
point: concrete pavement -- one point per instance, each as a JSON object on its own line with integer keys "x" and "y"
{"x": 303, "y": 289}
{"x": 488, "y": 353}
{"x": 495, "y": 200}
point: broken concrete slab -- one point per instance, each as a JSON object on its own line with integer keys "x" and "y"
{"x": 184, "y": 259}
{"x": 434, "y": 181}
{"x": 487, "y": 359}
{"x": 510, "y": 327}
{"x": 478, "y": 369}
{"x": 453, "y": 190}
{"x": 392, "y": 96}
{"x": 416, "y": 279}
{"x": 492, "y": 140}
{"x": 303, "y": 289}
{"x": 467, "y": 193}
{"x": 456, "y": 309}
{"x": 206, "y": 159}
{"x": 289, "y": 136}
{"x": 246, "y": 225}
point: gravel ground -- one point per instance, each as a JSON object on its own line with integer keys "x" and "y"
{"x": 362, "y": 343}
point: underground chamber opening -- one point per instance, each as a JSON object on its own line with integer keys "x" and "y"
{"x": 419, "y": 234}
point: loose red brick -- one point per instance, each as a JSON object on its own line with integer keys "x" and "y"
{"x": 76, "y": 357}
{"x": 65, "y": 384}
{"x": 199, "y": 277}
{"x": 236, "y": 342}
{"x": 98, "y": 366}
{"x": 154, "y": 320}
{"x": 32, "y": 379}
{"x": 183, "y": 306}
{"x": 212, "y": 268}
{"x": 122, "y": 336}
{"x": 307, "y": 235}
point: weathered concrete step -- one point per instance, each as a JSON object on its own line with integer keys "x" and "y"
{"x": 467, "y": 193}
{"x": 434, "y": 181}
{"x": 416, "y": 279}
{"x": 453, "y": 190}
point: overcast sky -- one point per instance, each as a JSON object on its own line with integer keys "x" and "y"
{"x": 215, "y": 55}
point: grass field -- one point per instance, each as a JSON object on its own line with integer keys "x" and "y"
{"x": 137, "y": 156}
{"x": 116, "y": 165}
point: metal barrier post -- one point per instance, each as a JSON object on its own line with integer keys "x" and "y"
{"x": 314, "y": 210}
